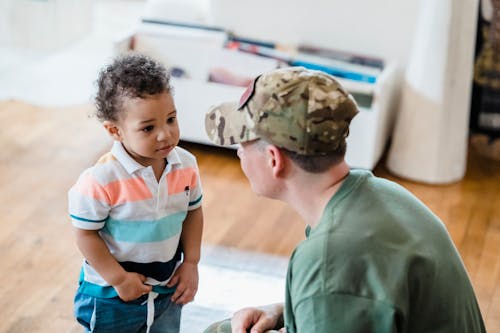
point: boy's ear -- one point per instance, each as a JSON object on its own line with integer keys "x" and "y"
{"x": 112, "y": 130}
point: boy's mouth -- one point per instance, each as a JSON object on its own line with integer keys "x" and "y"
{"x": 165, "y": 148}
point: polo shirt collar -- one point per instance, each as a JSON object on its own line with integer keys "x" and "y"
{"x": 132, "y": 165}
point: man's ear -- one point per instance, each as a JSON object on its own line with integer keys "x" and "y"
{"x": 112, "y": 130}
{"x": 276, "y": 160}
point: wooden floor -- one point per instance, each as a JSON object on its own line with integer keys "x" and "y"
{"x": 42, "y": 151}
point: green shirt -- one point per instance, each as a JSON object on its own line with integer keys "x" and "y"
{"x": 378, "y": 261}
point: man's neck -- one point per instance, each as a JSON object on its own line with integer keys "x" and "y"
{"x": 309, "y": 193}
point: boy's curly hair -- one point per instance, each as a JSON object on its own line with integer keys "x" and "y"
{"x": 132, "y": 76}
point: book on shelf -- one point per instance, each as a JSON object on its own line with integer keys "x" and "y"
{"x": 182, "y": 25}
{"x": 338, "y": 66}
{"x": 260, "y": 48}
{"x": 335, "y": 63}
{"x": 353, "y": 58}
{"x": 232, "y": 67}
{"x": 337, "y": 71}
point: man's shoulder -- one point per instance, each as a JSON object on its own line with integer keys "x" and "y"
{"x": 372, "y": 186}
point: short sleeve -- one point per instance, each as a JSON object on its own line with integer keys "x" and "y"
{"x": 344, "y": 313}
{"x": 196, "y": 192}
{"x": 88, "y": 203}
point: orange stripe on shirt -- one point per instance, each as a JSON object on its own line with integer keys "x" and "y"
{"x": 181, "y": 179}
{"x": 89, "y": 187}
{"x": 117, "y": 192}
{"x": 106, "y": 158}
{"x": 128, "y": 190}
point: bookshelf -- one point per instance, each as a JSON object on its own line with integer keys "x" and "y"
{"x": 210, "y": 65}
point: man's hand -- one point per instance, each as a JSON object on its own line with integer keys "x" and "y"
{"x": 186, "y": 279}
{"x": 131, "y": 286}
{"x": 258, "y": 320}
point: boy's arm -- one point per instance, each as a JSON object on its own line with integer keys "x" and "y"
{"x": 129, "y": 285}
{"x": 186, "y": 276}
{"x": 192, "y": 230}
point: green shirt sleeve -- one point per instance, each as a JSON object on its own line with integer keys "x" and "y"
{"x": 344, "y": 313}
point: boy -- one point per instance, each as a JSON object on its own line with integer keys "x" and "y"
{"x": 137, "y": 212}
{"x": 375, "y": 259}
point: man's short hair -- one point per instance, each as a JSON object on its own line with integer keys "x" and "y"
{"x": 312, "y": 163}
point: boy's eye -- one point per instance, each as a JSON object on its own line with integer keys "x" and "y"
{"x": 171, "y": 120}
{"x": 147, "y": 129}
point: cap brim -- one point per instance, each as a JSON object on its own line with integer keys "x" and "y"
{"x": 227, "y": 125}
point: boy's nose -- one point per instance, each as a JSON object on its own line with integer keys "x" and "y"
{"x": 163, "y": 134}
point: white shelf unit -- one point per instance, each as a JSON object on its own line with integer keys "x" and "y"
{"x": 194, "y": 95}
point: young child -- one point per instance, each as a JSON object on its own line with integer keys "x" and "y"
{"x": 137, "y": 212}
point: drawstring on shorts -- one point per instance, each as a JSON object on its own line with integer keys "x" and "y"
{"x": 152, "y": 296}
{"x": 151, "y": 309}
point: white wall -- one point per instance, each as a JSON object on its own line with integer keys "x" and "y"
{"x": 44, "y": 24}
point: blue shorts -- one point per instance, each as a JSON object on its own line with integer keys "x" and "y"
{"x": 111, "y": 315}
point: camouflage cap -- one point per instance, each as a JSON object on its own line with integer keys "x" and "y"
{"x": 304, "y": 111}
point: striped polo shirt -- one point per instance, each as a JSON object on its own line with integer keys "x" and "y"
{"x": 139, "y": 218}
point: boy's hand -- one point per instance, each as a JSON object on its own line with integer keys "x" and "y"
{"x": 132, "y": 286}
{"x": 186, "y": 279}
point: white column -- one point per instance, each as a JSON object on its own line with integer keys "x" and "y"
{"x": 430, "y": 138}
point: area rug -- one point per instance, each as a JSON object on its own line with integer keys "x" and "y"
{"x": 231, "y": 279}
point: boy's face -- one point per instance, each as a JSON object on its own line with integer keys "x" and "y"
{"x": 147, "y": 128}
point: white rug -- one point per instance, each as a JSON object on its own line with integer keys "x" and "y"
{"x": 231, "y": 279}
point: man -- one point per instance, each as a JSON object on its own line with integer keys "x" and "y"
{"x": 375, "y": 258}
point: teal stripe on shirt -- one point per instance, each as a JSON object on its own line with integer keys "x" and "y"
{"x": 86, "y": 220}
{"x": 145, "y": 231}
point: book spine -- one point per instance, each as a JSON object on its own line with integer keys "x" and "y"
{"x": 259, "y": 50}
{"x": 184, "y": 25}
{"x": 347, "y": 66}
{"x": 343, "y": 56}
{"x": 339, "y": 72}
